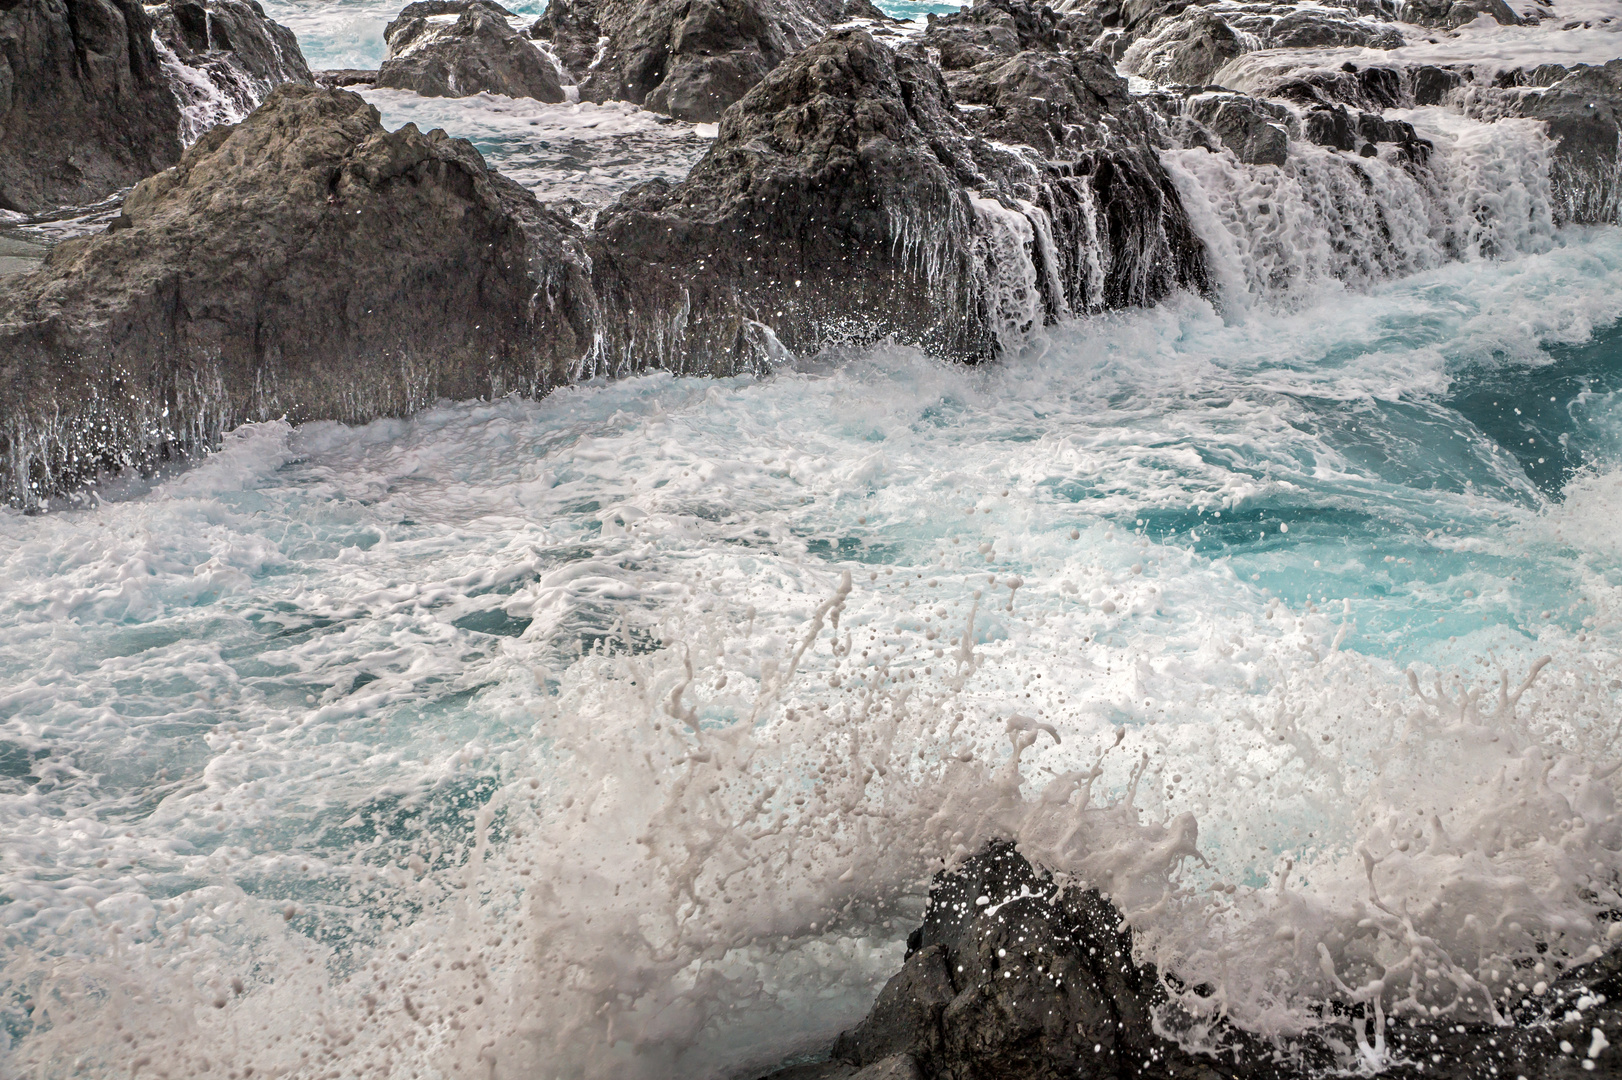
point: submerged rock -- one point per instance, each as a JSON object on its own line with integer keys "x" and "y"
{"x": 349, "y": 273}
{"x": 1014, "y": 975}
{"x": 687, "y": 58}
{"x": 456, "y": 48}
{"x": 223, "y": 57}
{"x": 84, "y": 105}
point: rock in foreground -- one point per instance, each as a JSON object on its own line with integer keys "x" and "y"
{"x": 350, "y": 273}
{"x": 1012, "y": 977}
{"x": 84, "y": 105}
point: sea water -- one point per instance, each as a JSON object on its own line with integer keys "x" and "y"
{"x": 619, "y": 733}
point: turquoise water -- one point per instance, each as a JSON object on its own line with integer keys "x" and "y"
{"x": 262, "y": 716}
{"x": 618, "y": 733}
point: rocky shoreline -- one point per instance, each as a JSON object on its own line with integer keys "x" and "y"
{"x": 954, "y": 187}
{"x": 1014, "y": 976}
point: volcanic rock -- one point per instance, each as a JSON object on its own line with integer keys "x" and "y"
{"x": 456, "y": 48}
{"x": 687, "y": 58}
{"x": 1256, "y": 131}
{"x": 84, "y": 106}
{"x": 846, "y": 200}
{"x": 1014, "y": 975}
{"x": 1584, "y": 113}
{"x": 349, "y": 273}
{"x": 239, "y": 52}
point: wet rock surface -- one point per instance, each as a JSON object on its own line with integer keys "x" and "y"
{"x": 236, "y": 55}
{"x": 84, "y": 105}
{"x": 852, "y": 167}
{"x": 1013, "y": 975}
{"x": 1582, "y": 107}
{"x": 687, "y": 58}
{"x": 351, "y": 273}
{"x": 456, "y": 48}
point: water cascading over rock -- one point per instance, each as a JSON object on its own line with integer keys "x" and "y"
{"x": 848, "y": 200}
{"x": 221, "y": 58}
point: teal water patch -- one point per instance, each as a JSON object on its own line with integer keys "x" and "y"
{"x": 917, "y": 10}
{"x": 1555, "y": 417}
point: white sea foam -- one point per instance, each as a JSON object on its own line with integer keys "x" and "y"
{"x": 1325, "y": 220}
{"x": 574, "y": 150}
{"x": 617, "y": 733}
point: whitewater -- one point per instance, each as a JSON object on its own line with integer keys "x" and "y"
{"x": 619, "y": 733}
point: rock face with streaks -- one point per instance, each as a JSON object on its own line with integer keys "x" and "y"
{"x": 687, "y": 58}
{"x": 349, "y": 273}
{"x": 1013, "y": 976}
{"x": 84, "y": 105}
{"x": 847, "y": 200}
{"x": 223, "y": 57}
{"x": 456, "y": 48}
{"x": 1582, "y": 107}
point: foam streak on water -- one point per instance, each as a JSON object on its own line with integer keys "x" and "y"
{"x": 617, "y": 734}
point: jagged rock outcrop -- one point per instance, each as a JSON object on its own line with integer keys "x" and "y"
{"x": 687, "y": 58}
{"x": 1257, "y": 131}
{"x": 1012, "y": 976}
{"x": 1583, "y": 108}
{"x": 349, "y": 273}
{"x": 1451, "y": 14}
{"x": 84, "y": 106}
{"x": 846, "y": 200}
{"x": 455, "y": 48}
{"x": 239, "y": 52}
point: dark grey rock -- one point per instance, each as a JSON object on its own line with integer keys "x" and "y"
{"x": 1187, "y": 50}
{"x": 690, "y": 59}
{"x": 847, "y": 200}
{"x": 84, "y": 106}
{"x": 456, "y": 48}
{"x": 1450, "y": 14}
{"x": 240, "y": 52}
{"x": 349, "y": 273}
{"x": 1256, "y": 131}
{"x": 996, "y": 30}
{"x": 1432, "y": 85}
{"x": 342, "y": 77}
{"x": 1584, "y": 114}
{"x": 1043, "y": 985}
